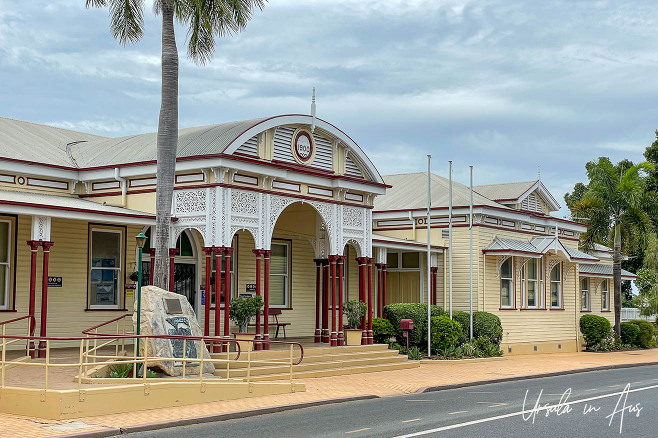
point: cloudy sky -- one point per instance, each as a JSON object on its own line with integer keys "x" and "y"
{"x": 502, "y": 85}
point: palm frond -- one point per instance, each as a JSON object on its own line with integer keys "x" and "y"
{"x": 208, "y": 19}
{"x": 96, "y": 3}
{"x": 127, "y": 20}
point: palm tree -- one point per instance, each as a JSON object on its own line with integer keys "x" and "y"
{"x": 617, "y": 207}
{"x": 205, "y": 20}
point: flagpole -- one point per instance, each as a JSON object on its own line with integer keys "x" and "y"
{"x": 470, "y": 226}
{"x": 429, "y": 291}
{"x": 450, "y": 233}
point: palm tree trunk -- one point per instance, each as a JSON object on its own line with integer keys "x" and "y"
{"x": 167, "y": 144}
{"x": 616, "y": 278}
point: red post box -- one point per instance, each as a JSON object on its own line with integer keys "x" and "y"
{"x": 406, "y": 325}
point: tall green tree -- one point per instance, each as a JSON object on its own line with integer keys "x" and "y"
{"x": 615, "y": 204}
{"x": 205, "y": 20}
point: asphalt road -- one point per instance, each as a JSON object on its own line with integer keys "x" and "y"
{"x": 487, "y": 411}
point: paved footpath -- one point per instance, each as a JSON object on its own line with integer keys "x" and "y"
{"x": 380, "y": 384}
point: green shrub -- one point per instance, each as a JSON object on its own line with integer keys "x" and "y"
{"x": 354, "y": 310}
{"x": 645, "y": 337}
{"x": 487, "y": 325}
{"x": 414, "y": 353}
{"x": 469, "y": 349}
{"x": 594, "y": 329}
{"x": 445, "y": 333}
{"x": 382, "y": 330}
{"x": 464, "y": 319}
{"x": 120, "y": 371}
{"x": 629, "y": 333}
{"x": 242, "y": 309}
{"x": 416, "y": 312}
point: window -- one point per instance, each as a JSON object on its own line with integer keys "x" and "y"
{"x": 506, "y": 285}
{"x": 531, "y": 275}
{"x": 105, "y": 279}
{"x": 403, "y": 260}
{"x": 605, "y": 295}
{"x": 279, "y": 274}
{"x": 392, "y": 260}
{"x": 5, "y": 264}
{"x": 556, "y": 287}
{"x": 232, "y": 269}
{"x": 410, "y": 260}
{"x": 584, "y": 294}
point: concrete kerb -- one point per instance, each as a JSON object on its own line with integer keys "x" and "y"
{"x": 532, "y": 376}
{"x": 218, "y": 417}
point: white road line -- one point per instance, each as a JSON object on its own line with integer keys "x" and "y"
{"x": 515, "y": 414}
{"x": 359, "y": 430}
{"x": 409, "y": 421}
{"x": 457, "y": 412}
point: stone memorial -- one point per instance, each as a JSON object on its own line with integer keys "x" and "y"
{"x": 168, "y": 313}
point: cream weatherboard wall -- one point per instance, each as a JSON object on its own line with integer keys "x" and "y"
{"x": 68, "y": 313}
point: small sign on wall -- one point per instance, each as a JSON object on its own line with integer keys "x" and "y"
{"x": 203, "y": 297}
{"x": 54, "y": 281}
{"x": 250, "y": 288}
{"x": 130, "y": 292}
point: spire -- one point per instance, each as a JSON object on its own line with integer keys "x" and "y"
{"x": 538, "y": 172}
{"x": 313, "y": 111}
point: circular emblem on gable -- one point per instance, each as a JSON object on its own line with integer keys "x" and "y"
{"x": 303, "y": 147}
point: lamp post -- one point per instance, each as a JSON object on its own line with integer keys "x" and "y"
{"x": 141, "y": 240}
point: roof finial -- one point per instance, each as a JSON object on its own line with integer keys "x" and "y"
{"x": 538, "y": 172}
{"x": 313, "y": 111}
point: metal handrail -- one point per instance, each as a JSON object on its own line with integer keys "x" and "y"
{"x": 253, "y": 341}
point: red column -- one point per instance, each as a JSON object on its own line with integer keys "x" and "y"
{"x": 378, "y": 268}
{"x": 334, "y": 335}
{"x": 370, "y": 299}
{"x": 341, "y": 340}
{"x": 218, "y": 291}
{"x": 34, "y": 247}
{"x": 384, "y": 266}
{"x": 44, "y": 296}
{"x": 266, "y": 298}
{"x": 172, "y": 255}
{"x": 206, "y": 305}
{"x": 227, "y": 288}
{"x": 325, "y": 301}
{"x": 433, "y": 271}
{"x": 258, "y": 253}
{"x": 151, "y": 251}
{"x": 362, "y": 290}
{"x": 318, "y": 301}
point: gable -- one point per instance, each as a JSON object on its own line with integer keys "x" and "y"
{"x": 323, "y": 153}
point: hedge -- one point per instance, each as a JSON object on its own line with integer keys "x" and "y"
{"x": 594, "y": 329}
{"x": 629, "y": 333}
{"x": 445, "y": 333}
{"x": 485, "y": 325}
{"x": 645, "y": 337}
{"x": 382, "y": 330}
{"x": 416, "y": 312}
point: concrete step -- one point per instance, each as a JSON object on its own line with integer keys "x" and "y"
{"x": 329, "y": 372}
{"x": 266, "y": 369}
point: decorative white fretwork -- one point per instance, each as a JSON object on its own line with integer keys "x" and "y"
{"x": 521, "y": 262}
{"x": 41, "y": 228}
{"x": 189, "y": 201}
{"x": 499, "y": 263}
{"x": 352, "y": 217}
{"x": 549, "y": 268}
{"x": 566, "y": 268}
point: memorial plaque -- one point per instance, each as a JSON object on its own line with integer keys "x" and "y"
{"x": 173, "y": 306}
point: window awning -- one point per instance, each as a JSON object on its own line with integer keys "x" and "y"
{"x": 536, "y": 248}
{"x": 69, "y": 207}
{"x": 381, "y": 241}
{"x": 603, "y": 271}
